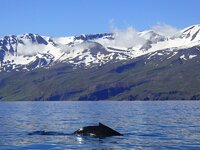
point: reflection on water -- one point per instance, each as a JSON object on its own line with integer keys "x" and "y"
{"x": 145, "y": 125}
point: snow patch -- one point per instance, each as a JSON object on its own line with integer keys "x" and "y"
{"x": 172, "y": 55}
{"x": 192, "y": 56}
{"x": 183, "y": 57}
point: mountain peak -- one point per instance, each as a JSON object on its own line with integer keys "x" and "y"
{"x": 88, "y": 50}
{"x": 192, "y": 32}
{"x": 34, "y": 38}
{"x": 191, "y": 28}
{"x": 152, "y": 36}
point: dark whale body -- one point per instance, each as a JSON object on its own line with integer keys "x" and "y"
{"x": 99, "y": 131}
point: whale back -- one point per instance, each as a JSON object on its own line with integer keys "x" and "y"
{"x": 99, "y": 131}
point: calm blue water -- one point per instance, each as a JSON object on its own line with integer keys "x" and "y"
{"x": 145, "y": 125}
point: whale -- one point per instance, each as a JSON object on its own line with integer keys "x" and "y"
{"x": 99, "y": 131}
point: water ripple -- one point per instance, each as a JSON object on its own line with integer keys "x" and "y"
{"x": 145, "y": 125}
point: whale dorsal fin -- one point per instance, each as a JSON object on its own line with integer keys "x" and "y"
{"x": 108, "y": 129}
{"x": 101, "y": 124}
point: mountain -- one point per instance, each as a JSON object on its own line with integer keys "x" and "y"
{"x": 31, "y": 51}
{"x": 105, "y": 66}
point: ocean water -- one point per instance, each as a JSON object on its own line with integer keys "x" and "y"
{"x": 146, "y": 125}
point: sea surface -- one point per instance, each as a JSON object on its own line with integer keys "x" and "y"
{"x": 146, "y": 125}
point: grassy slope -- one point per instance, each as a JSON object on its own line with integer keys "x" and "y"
{"x": 159, "y": 79}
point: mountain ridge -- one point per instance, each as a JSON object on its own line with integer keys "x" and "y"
{"x": 22, "y": 51}
{"x": 96, "y": 67}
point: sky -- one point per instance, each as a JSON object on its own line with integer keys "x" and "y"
{"x": 75, "y": 17}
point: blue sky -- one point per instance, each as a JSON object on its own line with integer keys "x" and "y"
{"x": 74, "y": 17}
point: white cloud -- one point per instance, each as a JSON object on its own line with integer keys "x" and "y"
{"x": 165, "y": 30}
{"x": 129, "y": 37}
{"x": 126, "y": 37}
{"x": 30, "y": 49}
{"x": 78, "y": 47}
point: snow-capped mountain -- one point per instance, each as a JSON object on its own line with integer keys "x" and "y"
{"x": 31, "y": 51}
{"x": 124, "y": 65}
